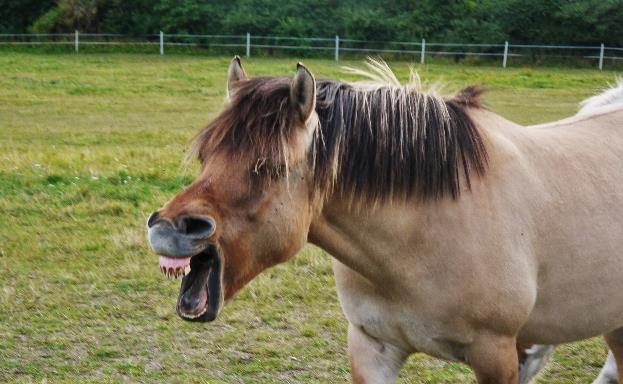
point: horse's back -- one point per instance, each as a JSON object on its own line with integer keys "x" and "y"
{"x": 602, "y": 117}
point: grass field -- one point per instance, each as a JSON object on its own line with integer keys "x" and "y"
{"x": 90, "y": 144}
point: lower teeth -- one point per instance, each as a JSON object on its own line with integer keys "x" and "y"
{"x": 189, "y": 316}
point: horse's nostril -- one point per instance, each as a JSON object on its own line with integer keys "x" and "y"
{"x": 151, "y": 220}
{"x": 197, "y": 226}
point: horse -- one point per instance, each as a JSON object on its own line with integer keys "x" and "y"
{"x": 454, "y": 232}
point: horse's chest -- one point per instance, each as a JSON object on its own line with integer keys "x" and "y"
{"x": 397, "y": 322}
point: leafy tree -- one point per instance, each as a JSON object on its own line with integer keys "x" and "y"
{"x": 584, "y": 22}
{"x": 69, "y": 15}
{"x": 16, "y": 16}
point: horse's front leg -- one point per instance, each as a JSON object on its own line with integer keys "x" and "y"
{"x": 494, "y": 359}
{"x": 372, "y": 361}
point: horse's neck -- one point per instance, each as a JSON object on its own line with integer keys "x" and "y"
{"x": 371, "y": 241}
{"x": 375, "y": 239}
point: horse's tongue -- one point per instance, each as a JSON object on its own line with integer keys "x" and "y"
{"x": 174, "y": 262}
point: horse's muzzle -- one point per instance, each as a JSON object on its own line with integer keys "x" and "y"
{"x": 183, "y": 237}
{"x": 185, "y": 250}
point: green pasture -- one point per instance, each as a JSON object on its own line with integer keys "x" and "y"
{"x": 90, "y": 144}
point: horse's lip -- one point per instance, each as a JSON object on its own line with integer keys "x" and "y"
{"x": 205, "y": 279}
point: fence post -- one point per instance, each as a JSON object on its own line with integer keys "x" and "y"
{"x": 161, "y": 43}
{"x": 337, "y": 48}
{"x": 601, "y": 57}
{"x": 423, "y": 52}
{"x": 77, "y": 40}
{"x": 248, "y": 44}
{"x": 505, "y": 54}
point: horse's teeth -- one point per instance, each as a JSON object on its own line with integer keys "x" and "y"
{"x": 175, "y": 273}
{"x": 203, "y": 311}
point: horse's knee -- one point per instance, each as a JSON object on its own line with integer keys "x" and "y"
{"x": 608, "y": 373}
{"x": 613, "y": 368}
{"x": 532, "y": 358}
{"x": 373, "y": 361}
{"x": 494, "y": 359}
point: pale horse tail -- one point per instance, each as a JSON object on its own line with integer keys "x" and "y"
{"x": 609, "y": 97}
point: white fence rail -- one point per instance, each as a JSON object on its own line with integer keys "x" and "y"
{"x": 335, "y": 44}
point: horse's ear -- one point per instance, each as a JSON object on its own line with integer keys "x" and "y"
{"x": 303, "y": 92}
{"x": 234, "y": 73}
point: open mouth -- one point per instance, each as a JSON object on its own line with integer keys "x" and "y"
{"x": 200, "y": 296}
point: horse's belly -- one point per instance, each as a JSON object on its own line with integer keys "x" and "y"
{"x": 577, "y": 300}
{"x": 548, "y": 328}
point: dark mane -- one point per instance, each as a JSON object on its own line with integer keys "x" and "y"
{"x": 255, "y": 124}
{"x": 375, "y": 143}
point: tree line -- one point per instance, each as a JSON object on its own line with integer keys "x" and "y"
{"x": 578, "y": 22}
